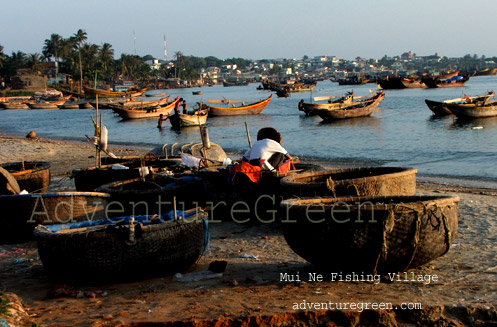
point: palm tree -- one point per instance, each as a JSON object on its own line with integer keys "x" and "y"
{"x": 18, "y": 59}
{"x": 34, "y": 62}
{"x": 2, "y": 56}
{"x": 179, "y": 59}
{"x": 52, "y": 48}
{"x": 80, "y": 38}
{"x": 106, "y": 58}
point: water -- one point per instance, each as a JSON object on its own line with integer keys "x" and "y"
{"x": 402, "y": 132}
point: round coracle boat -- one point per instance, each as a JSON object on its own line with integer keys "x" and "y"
{"x": 90, "y": 178}
{"x": 32, "y": 176}
{"x": 366, "y": 181}
{"x": 376, "y": 235}
{"x": 124, "y": 248}
{"x": 154, "y": 196}
{"x": 21, "y": 213}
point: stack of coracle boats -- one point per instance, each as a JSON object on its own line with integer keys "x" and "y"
{"x": 147, "y": 221}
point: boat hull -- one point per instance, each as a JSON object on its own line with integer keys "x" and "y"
{"x": 21, "y": 213}
{"x": 103, "y": 253}
{"x": 365, "y": 181}
{"x": 361, "y": 109}
{"x": 186, "y": 120}
{"x": 251, "y": 109}
{"x": 127, "y": 113}
{"x": 443, "y": 83}
{"x": 473, "y": 110}
{"x": 371, "y": 235}
{"x": 32, "y": 176}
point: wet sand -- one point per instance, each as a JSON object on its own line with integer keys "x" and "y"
{"x": 250, "y": 291}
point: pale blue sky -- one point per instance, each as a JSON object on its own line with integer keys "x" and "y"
{"x": 257, "y": 29}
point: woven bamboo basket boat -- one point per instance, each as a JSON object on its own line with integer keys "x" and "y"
{"x": 32, "y": 176}
{"x": 87, "y": 180}
{"x": 376, "y": 235}
{"x": 155, "y": 196}
{"x": 122, "y": 249}
{"x": 21, "y": 213}
{"x": 366, "y": 181}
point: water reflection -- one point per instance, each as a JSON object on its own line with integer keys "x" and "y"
{"x": 475, "y": 123}
{"x": 370, "y": 122}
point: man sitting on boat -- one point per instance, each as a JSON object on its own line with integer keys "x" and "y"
{"x": 266, "y": 154}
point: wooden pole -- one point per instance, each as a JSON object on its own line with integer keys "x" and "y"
{"x": 248, "y": 135}
{"x": 174, "y": 209}
{"x": 97, "y": 134}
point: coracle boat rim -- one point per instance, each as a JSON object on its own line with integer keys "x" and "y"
{"x": 39, "y": 165}
{"x": 97, "y": 228}
{"x": 57, "y": 194}
{"x": 396, "y": 203}
{"x": 384, "y": 175}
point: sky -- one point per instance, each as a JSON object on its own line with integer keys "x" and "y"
{"x": 254, "y": 29}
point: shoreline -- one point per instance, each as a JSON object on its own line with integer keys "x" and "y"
{"x": 443, "y": 183}
{"x": 251, "y": 289}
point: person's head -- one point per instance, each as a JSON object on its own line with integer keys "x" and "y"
{"x": 180, "y": 99}
{"x": 269, "y": 133}
{"x": 160, "y": 115}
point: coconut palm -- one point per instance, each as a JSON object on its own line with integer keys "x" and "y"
{"x": 106, "y": 57}
{"x": 34, "y": 62}
{"x": 2, "y": 56}
{"x": 52, "y": 48}
{"x": 179, "y": 60}
{"x": 80, "y": 38}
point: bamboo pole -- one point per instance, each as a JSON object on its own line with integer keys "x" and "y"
{"x": 248, "y": 135}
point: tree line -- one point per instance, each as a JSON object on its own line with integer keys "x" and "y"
{"x": 83, "y": 61}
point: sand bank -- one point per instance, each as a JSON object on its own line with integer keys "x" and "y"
{"x": 251, "y": 291}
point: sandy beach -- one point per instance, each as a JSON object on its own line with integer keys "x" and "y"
{"x": 458, "y": 289}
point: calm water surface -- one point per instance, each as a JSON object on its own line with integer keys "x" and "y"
{"x": 402, "y": 132}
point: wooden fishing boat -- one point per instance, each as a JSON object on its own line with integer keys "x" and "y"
{"x": 149, "y": 112}
{"x": 364, "y": 181}
{"x": 332, "y": 103}
{"x": 283, "y": 93}
{"x": 473, "y": 110}
{"x": 353, "y": 110}
{"x": 122, "y": 249}
{"x": 196, "y": 92}
{"x": 244, "y": 109}
{"x": 21, "y": 213}
{"x": 353, "y": 79}
{"x": 435, "y": 82}
{"x": 45, "y": 105}
{"x": 486, "y": 72}
{"x": 138, "y": 104}
{"x": 140, "y": 196}
{"x": 155, "y": 95}
{"x": 16, "y": 105}
{"x": 198, "y": 118}
{"x": 131, "y": 93}
{"x": 32, "y": 176}
{"x": 396, "y": 82}
{"x": 439, "y": 108}
{"x": 370, "y": 235}
{"x": 236, "y": 83}
{"x": 90, "y": 178}
{"x": 69, "y": 105}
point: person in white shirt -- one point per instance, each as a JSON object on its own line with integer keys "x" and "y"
{"x": 267, "y": 152}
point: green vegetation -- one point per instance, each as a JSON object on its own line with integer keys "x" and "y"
{"x": 82, "y": 60}
{"x": 4, "y": 305}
